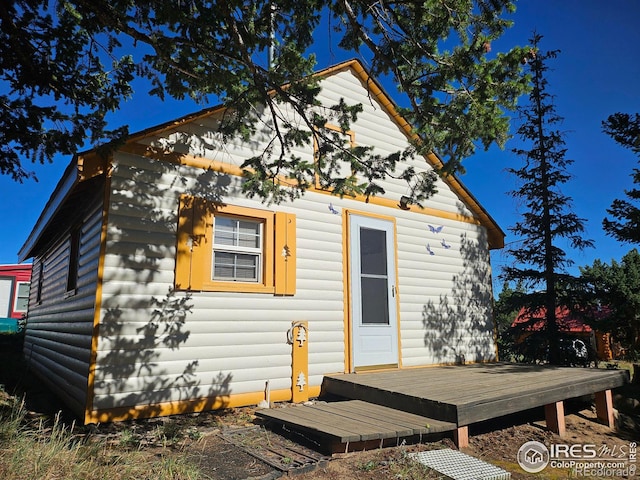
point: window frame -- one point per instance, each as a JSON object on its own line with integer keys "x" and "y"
{"x": 258, "y": 252}
{"x": 73, "y": 261}
{"x": 17, "y": 297}
{"x": 264, "y": 282}
{"x": 349, "y": 135}
{"x": 194, "y": 248}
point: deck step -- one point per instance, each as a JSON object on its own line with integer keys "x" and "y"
{"x": 352, "y": 422}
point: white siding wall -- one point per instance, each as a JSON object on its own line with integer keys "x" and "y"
{"x": 157, "y": 345}
{"x": 59, "y": 329}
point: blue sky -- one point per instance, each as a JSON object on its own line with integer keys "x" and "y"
{"x": 596, "y": 74}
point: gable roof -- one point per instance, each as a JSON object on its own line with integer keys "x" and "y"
{"x": 567, "y": 321}
{"x": 90, "y": 164}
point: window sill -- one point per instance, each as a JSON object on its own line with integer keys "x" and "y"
{"x": 70, "y": 293}
{"x": 236, "y": 287}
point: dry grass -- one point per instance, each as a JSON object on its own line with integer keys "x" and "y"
{"x": 52, "y": 452}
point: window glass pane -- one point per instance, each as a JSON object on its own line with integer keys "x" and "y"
{"x": 237, "y": 233}
{"x": 23, "y": 289}
{"x": 373, "y": 251}
{"x": 237, "y": 252}
{"x": 223, "y": 265}
{"x": 22, "y": 297}
{"x": 374, "y": 301}
{"x": 235, "y": 266}
{"x": 22, "y": 304}
{"x": 249, "y": 234}
{"x": 224, "y": 231}
{"x": 247, "y": 267}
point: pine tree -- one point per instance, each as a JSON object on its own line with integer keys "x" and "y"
{"x": 625, "y": 225}
{"x": 539, "y": 260}
{"x": 66, "y": 64}
{"x": 612, "y": 300}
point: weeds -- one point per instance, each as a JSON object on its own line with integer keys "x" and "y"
{"x": 49, "y": 452}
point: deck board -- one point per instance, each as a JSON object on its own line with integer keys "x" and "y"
{"x": 472, "y": 393}
{"x": 354, "y": 421}
{"x": 394, "y": 404}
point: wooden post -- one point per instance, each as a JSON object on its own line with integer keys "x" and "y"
{"x": 554, "y": 416}
{"x": 604, "y": 408}
{"x": 300, "y": 362}
{"x": 461, "y": 437}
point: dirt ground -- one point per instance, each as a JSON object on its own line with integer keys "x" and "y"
{"x": 232, "y": 445}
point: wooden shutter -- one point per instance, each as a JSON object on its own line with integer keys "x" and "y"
{"x": 192, "y": 259}
{"x": 285, "y": 253}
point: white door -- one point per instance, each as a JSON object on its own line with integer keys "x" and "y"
{"x": 374, "y": 324}
{"x": 5, "y": 296}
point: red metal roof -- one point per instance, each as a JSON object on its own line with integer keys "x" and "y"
{"x": 567, "y": 321}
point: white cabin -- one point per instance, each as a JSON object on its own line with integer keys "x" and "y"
{"x": 159, "y": 288}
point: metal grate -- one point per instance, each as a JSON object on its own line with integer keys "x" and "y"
{"x": 459, "y": 466}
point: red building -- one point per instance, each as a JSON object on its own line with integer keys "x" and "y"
{"x": 14, "y": 291}
{"x": 569, "y": 325}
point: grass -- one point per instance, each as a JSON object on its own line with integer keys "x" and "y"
{"x": 619, "y": 364}
{"x": 53, "y": 451}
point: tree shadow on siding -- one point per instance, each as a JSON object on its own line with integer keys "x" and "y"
{"x": 137, "y": 371}
{"x": 459, "y": 327}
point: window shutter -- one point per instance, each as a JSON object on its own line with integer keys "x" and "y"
{"x": 285, "y": 253}
{"x": 192, "y": 259}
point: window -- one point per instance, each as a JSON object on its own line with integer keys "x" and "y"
{"x": 237, "y": 249}
{"x": 234, "y": 249}
{"x": 74, "y": 254}
{"x": 40, "y": 281}
{"x": 22, "y": 297}
{"x": 327, "y": 156}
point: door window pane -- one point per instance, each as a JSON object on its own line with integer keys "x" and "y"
{"x": 373, "y": 251}
{"x": 375, "y": 309}
{"x": 373, "y": 276}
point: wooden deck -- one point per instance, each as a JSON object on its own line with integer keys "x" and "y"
{"x": 444, "y": 398}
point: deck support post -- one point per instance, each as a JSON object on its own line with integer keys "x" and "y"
{"x": 554, "y": 416}
{"x": 461, "y": 437}
{"x": 604, "y": 408}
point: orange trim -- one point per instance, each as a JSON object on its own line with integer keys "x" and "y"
{"x": 347, "y": 261}
{"x": 495, "y": 234}
{"x": 346, "y": 275}
{"x": 397, "y": 291}
{"x": 154, "y": 153}
{"x": 194, "y": 250}
{"x": 352, "y": 143}
{"x": 186, "y": 406}
{"x": 190, "y": 406}
{"x": 300, "y": 362}
{"x": 214, "y": 165}
{"x": 285, "y": 253}
{"x": 91, "y": 165}
{"x": 91, "y": 376}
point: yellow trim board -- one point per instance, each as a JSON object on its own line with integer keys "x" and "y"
{"x": 346, "y": 235}
{"x": 226, "y": 168}
{"x": 190, "y": 406}
{"x": 91, "y": 376}
{"x": 495, "y": 234}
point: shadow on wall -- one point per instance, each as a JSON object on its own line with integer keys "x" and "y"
{"x": 137, "y": 358}
{"x": 459, "y": 327}
{"x": 140, "y": 333}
